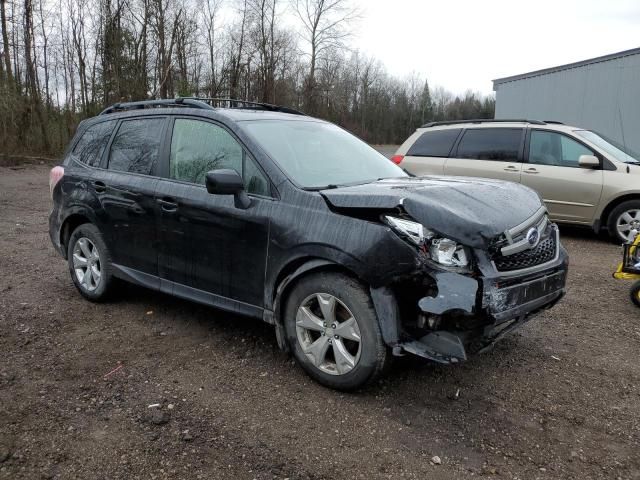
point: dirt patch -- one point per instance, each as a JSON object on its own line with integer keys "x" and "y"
{"x": 15, "y": 160}
{"x": 558, "y": 399}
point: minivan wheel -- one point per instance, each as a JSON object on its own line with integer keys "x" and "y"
{"x": 624, "y": 221}
{"x": 89, "y": 263}
{"x": 333, "y": 331}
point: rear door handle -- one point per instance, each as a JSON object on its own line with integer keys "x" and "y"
{"x": 167, "y": 204}
{"x": 99, "y": 186}
{"x": 531, "y": 170}
{"x": 510, "y": 168}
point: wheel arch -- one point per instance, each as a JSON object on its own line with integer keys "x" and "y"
{"x": 70, "y": 223}
{"x": 384, "y": 300}
{"x": 292, "y": 273}
{"x": 606, "y": 212}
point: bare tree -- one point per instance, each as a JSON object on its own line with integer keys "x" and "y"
{"x": 5, "y": 40}
{"x": 212, "y": 8}
{"x": 324, "y": 26}
{"x": 31, "y": 79}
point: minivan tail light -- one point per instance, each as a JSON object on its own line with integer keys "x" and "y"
{"x": 55, "y": 175}
{"x": 397, "y": 159}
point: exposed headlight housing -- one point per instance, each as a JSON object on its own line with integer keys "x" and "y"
{"x": 414, "y": 231}
{"x": 448, "y": 252}
{"x": 444, "y": 251}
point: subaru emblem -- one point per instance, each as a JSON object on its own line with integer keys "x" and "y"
{"x": 533, "y": 236}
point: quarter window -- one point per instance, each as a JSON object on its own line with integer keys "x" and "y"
{"x": 437, "y": 143}
{"x": 198, "y": 147}
{"x": 551, "y": 148}
{"x": 136, "y": 146}
{"x": 500, "y": 144}
{"x": 92, "y": 143}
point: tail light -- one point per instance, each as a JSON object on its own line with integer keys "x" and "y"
{"x": 397, "y": 159}
{"x": 55, "y": 175}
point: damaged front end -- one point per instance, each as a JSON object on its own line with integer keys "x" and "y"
{"x": 461, "y": 300}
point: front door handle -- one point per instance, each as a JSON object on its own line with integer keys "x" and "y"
{"x": 531, "y": 170}
{"x": 167, "y": 204}
{"x": 99, "y": 186}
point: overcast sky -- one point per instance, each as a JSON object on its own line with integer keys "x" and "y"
{"x": 465, "y": 44}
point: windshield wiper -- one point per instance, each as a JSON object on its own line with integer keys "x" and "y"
{"x": 324, "y": 187}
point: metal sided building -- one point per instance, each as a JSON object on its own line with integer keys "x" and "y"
{"x": 601, "y": 94}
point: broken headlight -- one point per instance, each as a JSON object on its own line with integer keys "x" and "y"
{"x": 444, "y": 251}
{"x": 413, "y": 231}
{"x": 448, "y": 252}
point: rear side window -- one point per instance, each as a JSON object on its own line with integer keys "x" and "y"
{"x": 437, "y": 143}
{"x": 500, "y": 144}
{"x": 136, "y": 146}
{"x": 92, "y": 143}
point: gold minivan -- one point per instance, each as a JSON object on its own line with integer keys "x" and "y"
{"x": 583, "y": 177}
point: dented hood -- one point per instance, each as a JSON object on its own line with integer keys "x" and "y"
{"x": 470, "y": 210}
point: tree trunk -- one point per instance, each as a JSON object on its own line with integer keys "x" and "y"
{"x": 32, "y": 86}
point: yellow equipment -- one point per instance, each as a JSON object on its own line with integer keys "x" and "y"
{"x": 629, "y": 269}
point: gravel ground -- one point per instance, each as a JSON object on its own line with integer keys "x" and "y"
{"x": 558, "y": 399}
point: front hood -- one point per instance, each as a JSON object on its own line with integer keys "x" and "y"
{"x": 470, "y": 210}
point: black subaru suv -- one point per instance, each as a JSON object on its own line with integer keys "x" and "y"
{"x": 269, "y": 213}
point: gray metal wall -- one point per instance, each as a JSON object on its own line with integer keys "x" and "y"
{"x": 602, "y": 96}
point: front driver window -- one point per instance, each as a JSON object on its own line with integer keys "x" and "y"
{"x": 550, "y": 148}
{"x": 198, "y": 147}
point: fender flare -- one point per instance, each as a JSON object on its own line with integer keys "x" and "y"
{"x": 275, "y": 317}
{"x": 383, "y": 298}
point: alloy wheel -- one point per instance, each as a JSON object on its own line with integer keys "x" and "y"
{"x": 328, "y": 334}
{"x": 86, "y": 264}
{"x": 628, "y": 225}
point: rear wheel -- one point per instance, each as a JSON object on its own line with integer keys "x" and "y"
{"x": 333, "y": 331}
{"x": 89, "y": 263}
{"x": 624, "y": 221}
{"x": 635, "y": 293}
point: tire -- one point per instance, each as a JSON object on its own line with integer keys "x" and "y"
{"x": 617, "y": 218}
{"x": 635, "y": 293}
{"x": 331, "y": 355}
{"x": 86, "y": 243}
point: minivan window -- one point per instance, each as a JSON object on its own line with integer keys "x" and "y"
{"x": 551, "y": 148}
{"x": 500, "y": 144}
{"x": 92, "y": 143}
{"x": 136, "y": 146}
{"x": 437, "y": 143}
{"x": 198, "y": 147}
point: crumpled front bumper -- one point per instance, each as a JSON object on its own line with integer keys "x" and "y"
{"x": 503, "y": 302}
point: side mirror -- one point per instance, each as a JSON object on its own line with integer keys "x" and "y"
{"x": 588, "y": 161}
{"x": 227, "y": 181}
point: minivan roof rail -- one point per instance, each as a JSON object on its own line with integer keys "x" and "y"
{"x": 204, "y": 103}
{"x": 483, "y": 120}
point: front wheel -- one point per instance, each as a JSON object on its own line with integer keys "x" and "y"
{"x": 635, "y": 293}
{"x": 332, "y": 329}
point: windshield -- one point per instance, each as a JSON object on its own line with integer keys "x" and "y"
{"x": 318, "y": 155}
{"x": 612, "y": 148}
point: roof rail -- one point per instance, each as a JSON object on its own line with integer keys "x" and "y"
{"x": 483, "y": 120}
{"x": 235, "y": 103}
{"x": 198, "y": 102}
{"x": 554, "y": 122}
{"x": 168, "y": 102}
